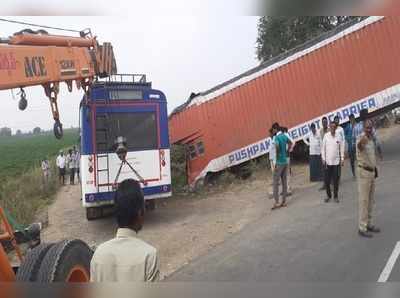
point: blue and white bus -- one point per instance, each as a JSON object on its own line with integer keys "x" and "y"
{"x": 123, "y": 106}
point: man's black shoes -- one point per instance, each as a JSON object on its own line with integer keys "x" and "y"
{"x": 364, "y": 234}
{"x": 373, "y": 229}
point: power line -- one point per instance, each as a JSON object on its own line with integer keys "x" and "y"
{"x": 40, "y": 26}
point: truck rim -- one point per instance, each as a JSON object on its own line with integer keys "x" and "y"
{"x": 78, "y": 274}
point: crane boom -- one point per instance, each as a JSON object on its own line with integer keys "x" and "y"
{"x": 31, "y": 58}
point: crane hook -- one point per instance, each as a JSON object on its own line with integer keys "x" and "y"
{"x": 23, "y": 103}
{"x": 51, "y": 91}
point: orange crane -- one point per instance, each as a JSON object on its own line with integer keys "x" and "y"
{"x": 32, "y": 58}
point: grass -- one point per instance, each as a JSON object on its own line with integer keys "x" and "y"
{"x": 22, "y": 191}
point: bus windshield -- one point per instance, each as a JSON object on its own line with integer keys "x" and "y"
{"x": 139, "y": 129}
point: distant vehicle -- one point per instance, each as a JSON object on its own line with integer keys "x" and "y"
{"x": 124, "y": 107}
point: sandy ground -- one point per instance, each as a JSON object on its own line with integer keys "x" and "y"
{"x": 180, "y": 228}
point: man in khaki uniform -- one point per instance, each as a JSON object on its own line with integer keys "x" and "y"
{"x": 367, "y": 173}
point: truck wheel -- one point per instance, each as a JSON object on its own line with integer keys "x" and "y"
{"x": 94, "y": 213}
{"x": 66, "y": 261}
{"x": 29, "y": 269}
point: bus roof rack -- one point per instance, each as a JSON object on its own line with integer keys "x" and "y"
{"x": 125, "y": 78}
{"x": 136, "y": 79}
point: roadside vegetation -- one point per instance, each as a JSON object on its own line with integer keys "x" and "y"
{"x": 22, "y": 191}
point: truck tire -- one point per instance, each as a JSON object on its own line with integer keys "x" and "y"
{"x": 94, "y": 213}
{"x": 66, "y": 261}
{"x": 29, "y": 269}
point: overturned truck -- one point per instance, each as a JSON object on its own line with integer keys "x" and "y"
{"x": 352, "y": 68}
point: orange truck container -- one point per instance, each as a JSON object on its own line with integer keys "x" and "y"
{"x": 355, "y": 67}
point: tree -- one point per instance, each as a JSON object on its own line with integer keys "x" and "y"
{"x": 19, "y": 132}
{"x": 5, "y": 132}
{"x": 36, "y": 130}
{"x": 277, "y": 35}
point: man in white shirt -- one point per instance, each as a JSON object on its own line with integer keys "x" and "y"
{"x": 340, "y": 133}
{"x": 71, "y": 160}
{"x": 339, "y": 129}
{"x": 60, "y": 162}
{"x": 313, "y": 140}
{"x": 126, "y": 258}
{"x": 77, "y": 163}
{"x": 272, "y": 151}
{"x": 332, "y": 159}
{"x": 46, "y": 171}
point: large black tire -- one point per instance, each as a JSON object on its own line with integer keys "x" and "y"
{"x": 29, "y": 269}
{"x": 62, "y": 259}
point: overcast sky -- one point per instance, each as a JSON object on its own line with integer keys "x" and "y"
{"x": 178, "y": 54}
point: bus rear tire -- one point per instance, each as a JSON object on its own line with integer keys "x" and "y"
{"x": 151, "y": 205}
{"x": 94, "y": 213}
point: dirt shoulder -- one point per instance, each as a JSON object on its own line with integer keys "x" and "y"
{"x": 181, "y": 228}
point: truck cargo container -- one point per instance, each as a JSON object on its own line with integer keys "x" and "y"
{"x": 351, "y": 68}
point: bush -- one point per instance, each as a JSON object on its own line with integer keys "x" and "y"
{"x": 23, "y": 196}
{"x": 178, "y": 168}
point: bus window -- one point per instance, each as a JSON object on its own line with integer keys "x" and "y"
{"x": 139, "y": 129}
{"x": 126, "y": 94}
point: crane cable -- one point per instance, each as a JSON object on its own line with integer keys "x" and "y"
{"x": 40, "y": 26}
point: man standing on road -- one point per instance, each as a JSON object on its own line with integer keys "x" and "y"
{"x": 77, "y": 164}
{"x": 340, "y": 133}
{"x": 288, "y": 151}
{"x": 351, "y": 142}
{"x": 367, "y": 173}
{"x": 332, "y": 159}
{"x": 46, "y": 171}
{"x": 282, "y": 145}
{"x": 60, "y": 162}
{"x": 359, "y": 130}
{"x": 71, "y": 166}
{"x": 126, "y": 258}
{"x": 272, "y": 158}
{"x": 323, "y": 131}
{"x": 314, "y": 142}
{"x": 325, "y": 128}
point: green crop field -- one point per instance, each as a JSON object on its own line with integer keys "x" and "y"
{"x": 22, "y": 191}
{"x": 19, "y": 154}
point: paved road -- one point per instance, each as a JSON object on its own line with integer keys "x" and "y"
{"x": 312, "y": 241}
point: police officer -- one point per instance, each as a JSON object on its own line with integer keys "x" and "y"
{"x": 367, "y": 173}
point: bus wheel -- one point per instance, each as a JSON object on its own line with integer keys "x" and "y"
{"x": 151, "y": 205}
{"x": 94, "y": 213}
{"x": 30, "y": 266}
{"x": 66, "y": 261}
